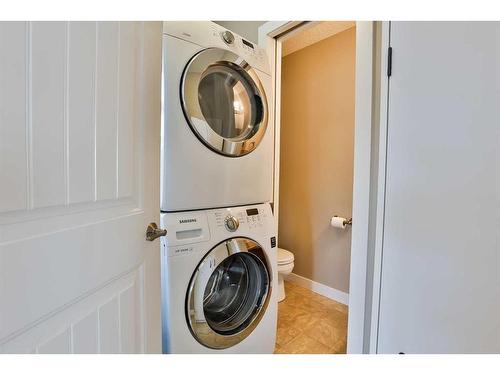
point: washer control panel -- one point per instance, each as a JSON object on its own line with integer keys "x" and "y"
{"x": 189, "y": 232}
{"x": 254, "y": 218}
{"x": 241, "y": 219}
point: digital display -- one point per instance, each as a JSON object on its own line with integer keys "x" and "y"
{"x": 252, "y": 211}
{"x": 247, "y": 43}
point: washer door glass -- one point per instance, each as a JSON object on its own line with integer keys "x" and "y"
{"x": 224, "y": 102}
{"x": 228, "y": 293}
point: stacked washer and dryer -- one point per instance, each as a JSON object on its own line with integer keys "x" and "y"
{"x": 219, "y": 258}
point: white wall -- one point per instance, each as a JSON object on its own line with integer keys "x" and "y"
{"x": 440, "y": 283}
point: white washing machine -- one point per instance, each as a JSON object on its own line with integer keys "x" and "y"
{"x": 219, "y": 281}
{"x": 217, "y": 133}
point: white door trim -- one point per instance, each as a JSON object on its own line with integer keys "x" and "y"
{"x": 361, "y": 187}
{"x": 380, "y": 193}
{"x": 269, "y": 38}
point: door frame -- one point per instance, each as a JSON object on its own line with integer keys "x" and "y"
{"x": 369, "y": 167}
{"x": 381, "y": 104}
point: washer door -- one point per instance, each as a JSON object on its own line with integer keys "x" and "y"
{"x": 224, "y": 102}
{"x": 228, "y": 293}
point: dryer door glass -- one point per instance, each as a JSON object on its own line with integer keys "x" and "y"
{"x": 224, "y": 102}
{"x": 228, "y": 293}
{"x": 229, "y": 101}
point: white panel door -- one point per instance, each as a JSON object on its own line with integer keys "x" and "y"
{"x": 440, "y": 286}
{"x": 79, "y": 172}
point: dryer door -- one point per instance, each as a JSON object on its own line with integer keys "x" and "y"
{"x": 228, "y": 293}
{"x": 224, "y": 102}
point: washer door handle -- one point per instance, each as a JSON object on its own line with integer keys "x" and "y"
{"x": 153, "y": 232}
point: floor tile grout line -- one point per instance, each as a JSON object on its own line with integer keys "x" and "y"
{"x": 304, "y": 336}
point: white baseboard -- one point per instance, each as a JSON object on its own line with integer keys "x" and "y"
{"x": 319, "y": 288}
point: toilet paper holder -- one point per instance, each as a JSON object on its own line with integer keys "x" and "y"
{"x": 346, "y": 221}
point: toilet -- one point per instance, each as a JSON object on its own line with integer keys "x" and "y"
{"x": 285, "y": 267}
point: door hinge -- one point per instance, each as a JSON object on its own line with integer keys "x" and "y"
{"x": 389, "y": 62}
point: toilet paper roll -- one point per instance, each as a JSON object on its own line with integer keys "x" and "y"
{"x": 338, "y": 222}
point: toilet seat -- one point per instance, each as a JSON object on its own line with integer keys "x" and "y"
{"x": 284, "y": 257}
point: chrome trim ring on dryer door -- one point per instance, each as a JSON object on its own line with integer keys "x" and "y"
{"x": 228, "y": 293}
{"x": 224, "y": 102}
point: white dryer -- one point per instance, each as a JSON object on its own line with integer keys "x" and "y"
{"x": 217, "y": 133}
{"x": 219, "y": 281}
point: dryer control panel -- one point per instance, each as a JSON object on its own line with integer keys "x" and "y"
{"x": 209, "y": 34}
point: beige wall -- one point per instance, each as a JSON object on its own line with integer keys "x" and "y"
{"x": 316, "y": 170}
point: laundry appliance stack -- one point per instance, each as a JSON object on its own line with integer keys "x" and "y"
{"x": 219, "y": 257}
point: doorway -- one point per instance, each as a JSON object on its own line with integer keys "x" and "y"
{"x": 315, "y": 184}
{"x": 305, "y": 199}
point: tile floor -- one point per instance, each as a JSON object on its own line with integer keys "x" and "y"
{"x": 309, "y": 323}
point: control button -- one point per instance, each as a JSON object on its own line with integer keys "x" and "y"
{"x": 231, "y": 223}
{"x": 227, "y": 37}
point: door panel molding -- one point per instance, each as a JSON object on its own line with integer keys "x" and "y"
{"x": 74, "y": 111}
{"x": 68, "y": 318}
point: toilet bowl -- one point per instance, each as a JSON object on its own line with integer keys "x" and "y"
{"x": 285, "y": 267}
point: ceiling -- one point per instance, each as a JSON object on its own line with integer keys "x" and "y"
{"x": 313, "y": 33}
